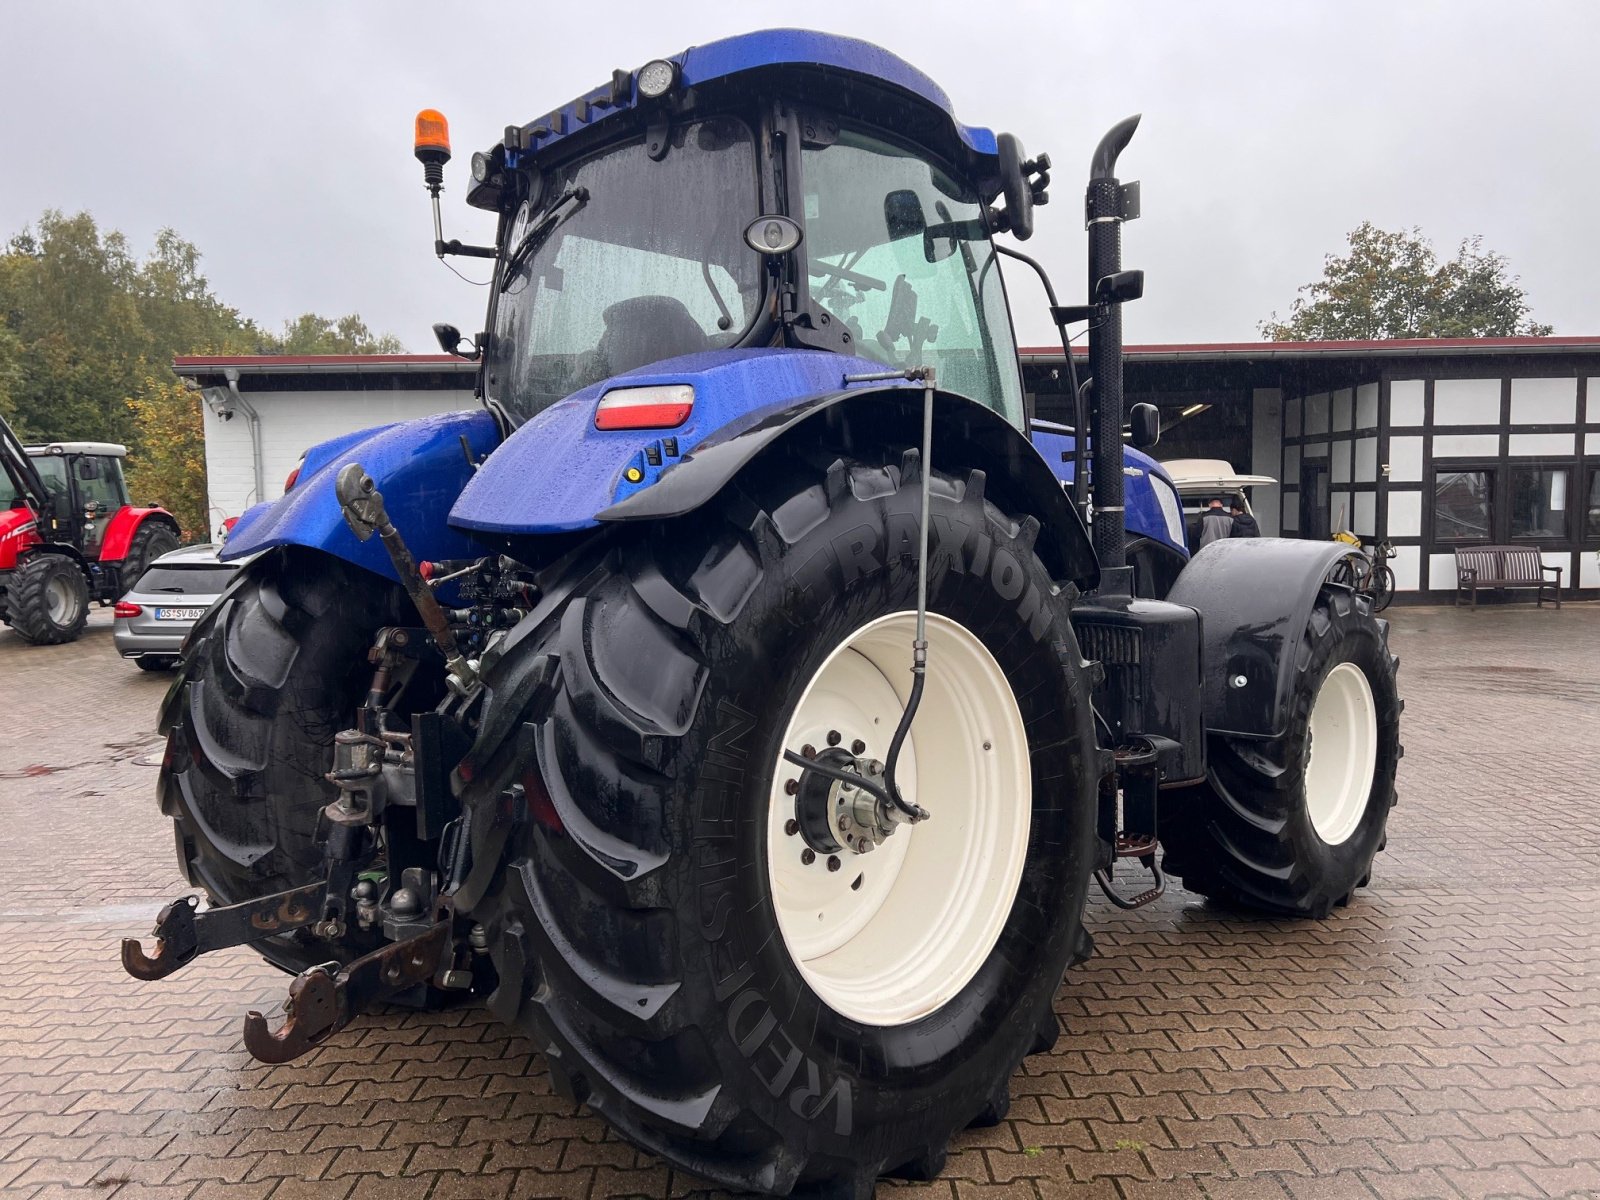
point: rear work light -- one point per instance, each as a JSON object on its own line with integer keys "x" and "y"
{"x": 662, "y": 406}
{"x": 124, "y": 609}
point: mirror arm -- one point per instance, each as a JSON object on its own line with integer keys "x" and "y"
{"x": 1080, "y": 415}
{"x": 454, "y": 246}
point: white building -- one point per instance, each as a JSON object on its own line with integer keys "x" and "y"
{"x": 263, "y": 411}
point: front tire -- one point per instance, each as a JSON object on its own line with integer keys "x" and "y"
{"x": 48, "y": 600}
{"x": 1292, "y": 826}
{"x": 652, "y": 930}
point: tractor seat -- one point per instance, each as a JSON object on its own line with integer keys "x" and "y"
{"x": 646, "y": 329}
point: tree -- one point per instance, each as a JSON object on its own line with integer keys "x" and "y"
{"x": 169, "y": 466}
{"x": 313, "y": 334}
{"x": 1392, "y": 285}
{"x": 87, "y": 338}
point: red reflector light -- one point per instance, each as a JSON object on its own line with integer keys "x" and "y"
{"x": 124, "y": 609}
{"x": 659, "y": 407}
{"x": 293, "y": 478}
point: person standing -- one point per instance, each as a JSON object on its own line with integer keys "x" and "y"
{"x": 1215, "y": 525}
{"x": 1244, "y": 525}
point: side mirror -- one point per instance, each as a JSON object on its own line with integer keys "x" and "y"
{"x": 1119, "y": 288}
{"x": 1014, "y": 185}
{"x": 903, "y": 215}
{"x": 451, "y": 341}
{"x": 1144, "y": 423}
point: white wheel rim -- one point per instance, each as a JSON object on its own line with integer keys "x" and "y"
{"x": 933, "y": 897}
{"x": 58, "y": 600}
{"x": 1343, "y": 755}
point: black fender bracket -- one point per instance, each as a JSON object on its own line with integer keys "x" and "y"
{"x": 1254, "y": 596}
{"x": 966, "y": 436}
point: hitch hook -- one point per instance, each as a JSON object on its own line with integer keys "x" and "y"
{"x": 176, "y": 942}
{"x": 324, "y": 999}
{"x": 1134, "y": 845}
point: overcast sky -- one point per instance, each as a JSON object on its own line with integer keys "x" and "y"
{"x": 276, "y": 136}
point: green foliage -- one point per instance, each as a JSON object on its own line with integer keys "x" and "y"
{"x": 170, "y": 467}
{"x": 311, "y": 334}
{"x": 88, "y": 333}
{"x": 1392, "y": 285}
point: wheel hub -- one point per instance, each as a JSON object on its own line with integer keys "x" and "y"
{"x": 834, "y": 815}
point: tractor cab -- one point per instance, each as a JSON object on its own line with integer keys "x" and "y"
{"x": 84, "y": 487}
{"x": 748, "y": 194}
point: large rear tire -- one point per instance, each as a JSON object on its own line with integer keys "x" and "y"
{"x": 152, "y": 539}
{"x": 48, "y": 600}
{"x": 1292, "y": 826}
{"x": 657, "y": 930}
{"x": 272, "y": 672}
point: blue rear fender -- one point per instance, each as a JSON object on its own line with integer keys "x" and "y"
{"x": 419, "y": 466}
{"x": 557, "y": 473}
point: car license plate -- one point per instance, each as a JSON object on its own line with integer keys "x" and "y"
{"x": 179, "y": 614}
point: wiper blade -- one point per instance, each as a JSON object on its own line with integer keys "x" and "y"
{"x": 571, "y": 202}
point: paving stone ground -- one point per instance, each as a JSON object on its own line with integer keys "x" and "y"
{"x": 1439, "y": 1037}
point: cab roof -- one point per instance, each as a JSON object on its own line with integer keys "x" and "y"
{"x": 109, "y": 449}
{"x": 822, "y": 60}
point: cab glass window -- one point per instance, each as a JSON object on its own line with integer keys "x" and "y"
{"x": 898, "y": 251}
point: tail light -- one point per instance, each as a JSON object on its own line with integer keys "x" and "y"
{"x": 294, "y": 475}
{"x": 662, "y": 406}
{"x": 124, "y": 609}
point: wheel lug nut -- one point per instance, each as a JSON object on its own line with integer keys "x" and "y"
{"x": 833, "y": 737}
{"x": 808, "y": 856}
{"x": 833, "y": 862}
{"x": 858, "y": 747}
{"x": 791, "y": 787}
{"x": 808, "y": 751}
{"x": 791, "y": 827}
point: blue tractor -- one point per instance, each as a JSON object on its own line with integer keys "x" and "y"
{"x": 740, "y": 701}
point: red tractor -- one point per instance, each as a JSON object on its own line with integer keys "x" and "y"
{"x": 68, "y": 535}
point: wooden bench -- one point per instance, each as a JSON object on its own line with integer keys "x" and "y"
{"x": 1504, "y": 567}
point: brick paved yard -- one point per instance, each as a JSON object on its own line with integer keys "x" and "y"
{"x": 1439, "y": 1037}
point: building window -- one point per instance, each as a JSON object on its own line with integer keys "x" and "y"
{"x": 1463, "y": 505}
{"x": 1538, "y": 503}
{"x": 1591, "y": 520}
{"x": 1479, "y": 502}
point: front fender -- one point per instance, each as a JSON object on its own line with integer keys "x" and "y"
{"x": 966, "y": 437}
{"x": 419, "y": 466}
{"x": 1255, "y": 596}
{"x": 122, "y": 527}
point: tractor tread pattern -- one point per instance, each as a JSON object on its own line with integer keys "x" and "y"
{"x": 28, "y": 608}
{"x": 1240, "y": 837}
{"x": 570, "y": 928}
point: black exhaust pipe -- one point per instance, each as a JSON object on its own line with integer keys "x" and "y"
{"x": 1106, "y": 207}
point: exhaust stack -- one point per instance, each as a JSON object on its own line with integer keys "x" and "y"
{"x": 1107, "y": 204}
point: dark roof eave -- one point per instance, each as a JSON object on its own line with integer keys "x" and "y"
{"x": 1392, "y": 348}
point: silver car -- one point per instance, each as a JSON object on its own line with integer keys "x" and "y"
{"x": 156, "y": 615}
